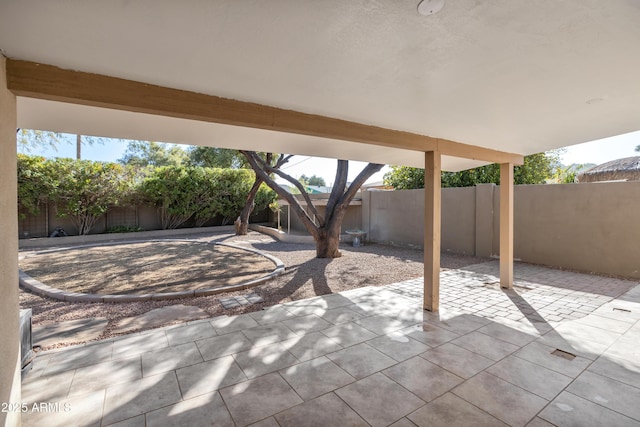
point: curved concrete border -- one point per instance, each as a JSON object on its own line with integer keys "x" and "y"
{"x": 281, "y": 235}
{"x": 40, "y": 288}
{"x": 41, "y": 242}
{"x": 293, "y": 238}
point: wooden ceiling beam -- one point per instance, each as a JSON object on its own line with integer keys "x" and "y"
{"x": 41, "y": 81}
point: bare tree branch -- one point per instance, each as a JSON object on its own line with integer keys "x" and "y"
{"x": 255, "y": 163}
{"x": 281, "y": 160}
{"x": 243, "y": 225}
{"x": 362, "y": 177}
{"x": 342, "y": 172}
{"x": 326, "y": 235}
{"x": 298, "y": 185}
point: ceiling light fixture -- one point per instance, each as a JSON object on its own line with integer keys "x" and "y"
{"x": 429, "y": 7}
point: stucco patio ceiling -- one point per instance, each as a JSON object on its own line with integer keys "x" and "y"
{"x": 510, "y": 75}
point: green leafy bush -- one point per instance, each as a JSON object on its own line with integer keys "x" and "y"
{"x": 34, "y": 184}
{"x": 79, "y": 189}
{"x": 537, "y": 168}
{"x": 172, "y": 189}
{"x": 84, "y": 190}
{"x": 183, "y": 192}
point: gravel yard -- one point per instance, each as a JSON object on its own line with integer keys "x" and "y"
{"x": 146, "y": 268}
{"x": 305, "y": 277}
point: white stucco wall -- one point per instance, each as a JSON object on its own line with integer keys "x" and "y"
{"x": 9, "y": 324}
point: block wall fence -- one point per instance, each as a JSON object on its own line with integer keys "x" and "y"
{"x": 143, "y": 216}
{"x": 590, "y": 227}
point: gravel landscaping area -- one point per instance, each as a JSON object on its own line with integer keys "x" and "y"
{"x": 305, "y": 277}
{"x": 145, "y": 268}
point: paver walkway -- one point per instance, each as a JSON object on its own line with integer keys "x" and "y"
{"x": 68, "y": 331}
{"x": 560, "y": 348}
{"x": 89, "y": 329}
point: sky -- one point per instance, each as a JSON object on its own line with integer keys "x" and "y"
{"x": 599, "y": 151}
{"x": 603, "y": 150}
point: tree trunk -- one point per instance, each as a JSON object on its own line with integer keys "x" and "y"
{"x": 328, "y": 241}
{"x": 326, "y": 230}
{"x": 243, "y": 226}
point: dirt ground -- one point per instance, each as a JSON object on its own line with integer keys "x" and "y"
{"x": 145, "y": 268}
{"x": 305, "y": 277}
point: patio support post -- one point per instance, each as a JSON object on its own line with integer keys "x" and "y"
{"x": 506, "y": 225}
{"x": 432, "y": 204}
{"x": 10, "y": 359}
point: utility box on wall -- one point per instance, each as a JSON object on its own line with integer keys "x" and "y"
{"x": 26, "y": 342}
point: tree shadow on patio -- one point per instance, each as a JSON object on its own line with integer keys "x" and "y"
{"x": 295, "y": 277}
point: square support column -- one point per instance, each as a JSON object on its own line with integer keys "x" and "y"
{"x": 10, "y": 360}
{"x": 432, "y": 212}
{"x": 506, "y": 225}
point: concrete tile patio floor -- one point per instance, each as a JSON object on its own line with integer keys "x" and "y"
{"x": 559, "y": 349}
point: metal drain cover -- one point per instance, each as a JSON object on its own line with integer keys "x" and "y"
{"x": 563, "y": 354}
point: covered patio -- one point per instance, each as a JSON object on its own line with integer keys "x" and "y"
{"x": 372, "y": 81}
{"x": 560, "y": 348}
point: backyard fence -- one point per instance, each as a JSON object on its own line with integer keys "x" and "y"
{"x": 592, "y": 227}
{"x": 143, "y": 217}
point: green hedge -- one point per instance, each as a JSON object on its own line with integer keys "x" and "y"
{"x": 85, "y": 190}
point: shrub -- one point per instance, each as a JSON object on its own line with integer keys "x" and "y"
{"x": 172, "y": 189}
{"x": 182, "y": 192}
{"x": 33, "y": 184}
{"x": 84, "y": 190}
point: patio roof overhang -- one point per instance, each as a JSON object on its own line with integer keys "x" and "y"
{"x": 375, "y": 81}
{"x": 372, "y": 81}
{"x": 330, "y": 136}
{"x": 508, "y": 76}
